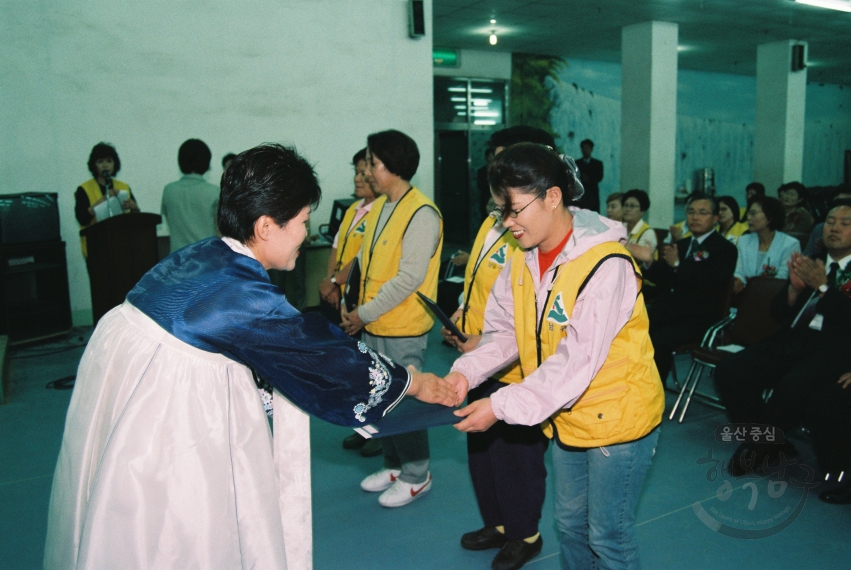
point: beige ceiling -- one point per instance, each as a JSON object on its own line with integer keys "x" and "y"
{"x": 714, "y": 35}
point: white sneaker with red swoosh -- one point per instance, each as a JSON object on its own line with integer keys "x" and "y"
{"x": 380, "y": 480}
{"x": 401, "y": 493}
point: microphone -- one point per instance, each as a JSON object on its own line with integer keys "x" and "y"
{"x": 107, "y": 177}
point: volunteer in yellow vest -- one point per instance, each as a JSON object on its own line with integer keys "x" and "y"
{"x": 103, "y": 164}
{"x": 507, "y": 461}
{"x": 569, "y": 304}
{"x": 641, "y": 242}
{"x": 344, "y": 249}
{"x": 349, "y": 237}
{"x": 399, "y": 256}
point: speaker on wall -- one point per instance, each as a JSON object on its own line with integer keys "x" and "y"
{"x": 416, "y": 18}
{"x": 799, "y": 57}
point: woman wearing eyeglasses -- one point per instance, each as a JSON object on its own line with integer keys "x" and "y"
{"x": 568, "y": 305}
{"x": 642, "y": 238}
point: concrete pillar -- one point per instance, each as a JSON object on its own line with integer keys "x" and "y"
{"x": 781, "y": 96}
{"x": 649, "y": 115}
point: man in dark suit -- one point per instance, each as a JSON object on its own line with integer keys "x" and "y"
{"x": 590, "y": 174}
{"x": 804, "y": 357}
{"x": 691, "y": 278}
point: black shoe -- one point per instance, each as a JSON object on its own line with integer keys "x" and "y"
{"x": 838, "y": 496}
{"x": 516, "y": 553}
{"x": 371, "y": 448}
{"x": 354, "y": 441}
{"x": 483, "y": 539}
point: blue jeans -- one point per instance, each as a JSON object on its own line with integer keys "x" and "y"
{"x": 597, "y": 492}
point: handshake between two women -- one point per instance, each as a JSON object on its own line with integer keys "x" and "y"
{"x": 451, "y": 391}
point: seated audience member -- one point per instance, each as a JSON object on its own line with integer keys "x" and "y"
{"x": 828, "y": 418}
{"x": 641, "y": 240}
{"x": 190, "y": 205}
{"x": 691, "y": 278}
{"x": 803, "y": 358}
{"x": 815, "y": 246}
{"x": 730, "y": 224}
{"x": 614, "y": 207}
{"x": 103, "y": 164}
{"x": 765, "y": 250}
{"x": 798, "y": 219}
{"x": 753, "y": 191}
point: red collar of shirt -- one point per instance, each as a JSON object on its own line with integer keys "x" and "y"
{"x": 545, "y": 260}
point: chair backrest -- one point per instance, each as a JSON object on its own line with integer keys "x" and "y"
{"x": 753, "y": 320}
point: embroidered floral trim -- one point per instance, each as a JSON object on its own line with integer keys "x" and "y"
{"x": 379, "y": 379}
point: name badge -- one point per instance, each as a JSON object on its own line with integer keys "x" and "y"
{"x": 817, "y": 322}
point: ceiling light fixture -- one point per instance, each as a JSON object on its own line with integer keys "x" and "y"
{"x": 841, "y": 5}
{"x": 492, "y": 39}
{"x": 493, "y": 21}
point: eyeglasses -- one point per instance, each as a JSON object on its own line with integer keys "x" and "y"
{"x": 511, "y": 213}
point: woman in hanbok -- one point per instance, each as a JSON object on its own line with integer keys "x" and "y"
{"x": 168, "y": 459}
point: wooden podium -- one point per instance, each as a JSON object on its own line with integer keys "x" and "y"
{"x": 121, "y": 250}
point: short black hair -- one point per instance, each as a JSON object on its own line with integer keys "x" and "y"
{"x": 615, "y": 196}
{"x": 520, "y": 134}
{"x": 194, "y": 157}
{"x": 227, "y": 158}
{"x": 695, "y": 196}
{"x": 796, "y": 186}
{"x": 530, "y": 168}
{"x": 103, "y": 150}
{"x": 733, "y": 205}
{"x": 839, "y": 203}
{"x": 756, "y": 187}
{"x": 397, "y": 151}
{"x": 773, "y": 210}
{"x": 640, "y": 195}
{"x": 359, "y": 156}
{"x": 270, "y": 180}
{"x": 589, "y": 142}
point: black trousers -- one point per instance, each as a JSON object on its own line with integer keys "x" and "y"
{"x": 793, "y": 367}
{"x": 666, "y": 334}
{"x": 829, "y": 418}
{"x": 507, "y": 467}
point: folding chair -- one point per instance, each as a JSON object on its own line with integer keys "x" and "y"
{"x": 749, "y": 324}
{"x": 709, "y": 337}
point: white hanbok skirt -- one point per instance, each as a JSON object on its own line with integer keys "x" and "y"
{"x": 168, "y": 461}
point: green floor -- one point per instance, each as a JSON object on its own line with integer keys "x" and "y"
{"x": 352, "y": 531}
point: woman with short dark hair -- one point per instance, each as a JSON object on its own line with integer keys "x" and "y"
{"x": 567, "y": 304}
{"x": 641, "y": 241}
{"x": 167, "y": 458}
{"x": 765, "y": 250}
{"x": 103, "y": 163}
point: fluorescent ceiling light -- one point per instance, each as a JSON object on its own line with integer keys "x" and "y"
{"x": 484, "y": 122}
{"x": 841, "y": 5}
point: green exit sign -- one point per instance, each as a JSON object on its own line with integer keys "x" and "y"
{"x": 445, "y": 57}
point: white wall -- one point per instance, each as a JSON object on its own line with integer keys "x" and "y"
{"x": 479, "y": 64}
{"x": 147, "y": 75}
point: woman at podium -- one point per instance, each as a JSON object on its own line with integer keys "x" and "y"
{"x": 90, "y": 197}
{"x": 167, "y": 459}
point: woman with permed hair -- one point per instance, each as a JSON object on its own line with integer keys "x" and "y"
{"x": 568, "y": 305}
{"x": 103, "y": 164}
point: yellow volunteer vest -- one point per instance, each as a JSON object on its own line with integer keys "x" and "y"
{"x": 94, "y": 194}
{"x": 348, "y": 248}
{"x": 478, "y": 281}
{"x": 625, "y": 400}
{"x": 381, "y": 258}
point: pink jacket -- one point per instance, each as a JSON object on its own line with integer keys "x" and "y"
{"x": 600, "y": 312}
